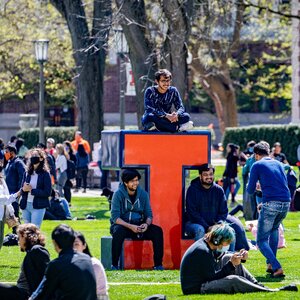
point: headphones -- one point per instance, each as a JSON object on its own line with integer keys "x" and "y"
{"x": 216, "y": 240}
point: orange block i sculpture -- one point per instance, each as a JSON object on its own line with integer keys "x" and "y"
{"x": 165, "y": 158}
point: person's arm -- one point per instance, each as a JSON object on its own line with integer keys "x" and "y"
{"x": 116, "y": 204}
{"x": 101, "y": 279}
{"x": 36, "y": 263}
{"x": 48, "y": 285}
{"x": 149, "y": 103}
{"x": 177, "y": 101}
{"x": 192, "y": 209}
{"x": 21, "y": 172}
{"x": 253, "y": 178}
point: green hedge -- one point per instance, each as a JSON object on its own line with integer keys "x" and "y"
{"x": 287, "y": 135}
{"x": 59, "y": 134}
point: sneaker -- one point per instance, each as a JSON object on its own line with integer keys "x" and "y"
{"x": 114, "y": 268}
{"x": 150, "y": 126}
{"x": 158, "y": 268}
{"x": 76, "y": 191}
{"x": 186, "y": 126}
{"x": 291, "y": 287}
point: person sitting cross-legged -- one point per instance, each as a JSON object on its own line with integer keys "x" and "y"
{"x": 131, "y": 217}
{"x": 206, "y": 205}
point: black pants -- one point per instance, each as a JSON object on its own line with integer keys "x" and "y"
{"x": 154, "y": 233}
{"x": 67, "y": 190}
{"x": 163, "y": 124}
{"x": 81, "y": 174}
{"x": 12, "y": 292}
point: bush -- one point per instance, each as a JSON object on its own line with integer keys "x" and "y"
{"x": 287, "y": 135}
{"x": 59, "y": 134}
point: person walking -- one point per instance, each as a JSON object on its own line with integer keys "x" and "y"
{"x": 270, "y": 175}
{"x": 36, "y": 187}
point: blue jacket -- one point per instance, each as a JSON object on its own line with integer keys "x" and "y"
{"x": 205, "y": 206}
{"x": 121, "y": 206}
{"x": 14, "y": 172}
{"x": 41, "y": 193}
{"x": 272, "y": 178}
{"x": 82, "y": 161}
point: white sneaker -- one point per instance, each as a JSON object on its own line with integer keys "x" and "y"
{"x": 186, "y": 126}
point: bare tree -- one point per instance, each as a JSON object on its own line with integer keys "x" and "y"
{"x": 89, "y": 48}
{"x": 146, "y": 56}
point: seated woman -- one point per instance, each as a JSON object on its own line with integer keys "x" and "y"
{"x": 80, "y": 245}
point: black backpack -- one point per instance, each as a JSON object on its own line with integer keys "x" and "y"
{"x": 295, "y": 205}
{"x": 71, "y": 169}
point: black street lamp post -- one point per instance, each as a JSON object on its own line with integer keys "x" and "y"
{"x": 41, "y": 53}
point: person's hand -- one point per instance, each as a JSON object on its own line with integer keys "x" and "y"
{"x": 259, "y": 207}
{"x": 27, "y": 187}
{"x": 172, "y": 118}
{"x": 232, "y": 180}
{"x": 236, "y": 259}
{"x": 244, "y": 254}
{"x": 143, "y": 227}
{"x": 135, "y": 228}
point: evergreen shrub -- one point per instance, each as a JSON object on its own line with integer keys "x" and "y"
{"x": 59, "y": 134}
{"x": 287, "y": 135}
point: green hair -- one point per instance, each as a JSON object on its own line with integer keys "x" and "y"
{"x": 222, "y": 232}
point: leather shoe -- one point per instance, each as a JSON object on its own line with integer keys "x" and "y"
{"x": 278, "y": 274}
{"x": 291, "y": 287}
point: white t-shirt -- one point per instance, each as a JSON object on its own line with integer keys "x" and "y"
{"x": 61, "y": 163}
{"x": 33, "y": 183}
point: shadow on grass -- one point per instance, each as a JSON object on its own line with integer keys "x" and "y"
{"x": 99, "y": 214}
{"x": 9, "y": 267}
{"x": 268, "y": 279}
{"x": 296, "y": 240}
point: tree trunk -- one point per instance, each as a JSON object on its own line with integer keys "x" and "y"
{"x": 89, "y": 55}
{"x": 142, "y": 58}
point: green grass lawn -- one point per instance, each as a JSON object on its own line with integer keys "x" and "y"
{"x": 130, "y": 285}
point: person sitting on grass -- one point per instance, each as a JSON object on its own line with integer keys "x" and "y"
{"x": 31, "y": 241}
{"x": 59, "y": 208}
{"x": 207, "y": 267}
{"x": 80, "y": 245}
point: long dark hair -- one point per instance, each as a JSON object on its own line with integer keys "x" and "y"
{"x": 81, "y": 151}
{"x": 79, "y": 235}
{"x": 43, "y": 165}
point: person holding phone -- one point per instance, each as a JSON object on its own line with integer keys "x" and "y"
{"x": 36, "y": 188}
{"x": 208, "y": 268}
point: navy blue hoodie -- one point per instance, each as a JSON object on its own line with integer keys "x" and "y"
{"x": 205, "y": 206}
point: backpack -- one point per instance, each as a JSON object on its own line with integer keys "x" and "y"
{"x": 295, "y": 204}
{"x": 71, "y": 169}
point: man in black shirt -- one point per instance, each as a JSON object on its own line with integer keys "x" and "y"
{"x": 206, "y": 268}
{"x": 71, "y": 275}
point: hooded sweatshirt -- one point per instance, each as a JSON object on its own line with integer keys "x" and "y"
{"x": 204, "y": 206}
{"x": 133, "y": 213}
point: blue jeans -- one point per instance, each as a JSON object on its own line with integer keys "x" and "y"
{"x": 194, "y": 230}
{"x": 228, "y": 187}
{"x": 32, "y": 215}
{"x": 270, "y": 217}
{"x": 197, "y": 232}
{"x": 61, "y": 181}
